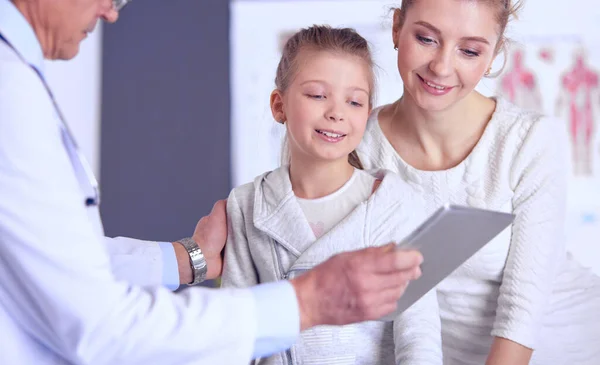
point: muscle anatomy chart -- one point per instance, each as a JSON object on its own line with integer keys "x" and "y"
{"x": 578, "y": 103}
{"x": 518, "y": 84}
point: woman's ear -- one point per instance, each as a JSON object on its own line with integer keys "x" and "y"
{"x": 501, "y": 49}
{"x": 277, "y": 108}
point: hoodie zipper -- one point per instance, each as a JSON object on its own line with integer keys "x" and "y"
{"x": 284, "y": 276}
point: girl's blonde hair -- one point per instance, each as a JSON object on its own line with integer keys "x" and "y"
{"x": 322, "y": 38}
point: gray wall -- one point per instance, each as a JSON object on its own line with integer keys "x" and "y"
{"x": 165, "y": 117}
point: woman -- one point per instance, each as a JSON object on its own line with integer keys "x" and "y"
{"x": 520, "y": 300}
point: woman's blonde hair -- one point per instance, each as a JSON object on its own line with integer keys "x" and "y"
{"x": 505, "y": 11}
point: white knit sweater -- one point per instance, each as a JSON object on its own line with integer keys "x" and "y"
{"x": 522, "y": 286}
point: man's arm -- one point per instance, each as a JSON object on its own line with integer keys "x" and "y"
{"x": 144, "y": 263}
{"x": 149, "y": 263}
{"x": 57, "y": 282}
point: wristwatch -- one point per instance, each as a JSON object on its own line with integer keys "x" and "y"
{"x": 197, "y": 260}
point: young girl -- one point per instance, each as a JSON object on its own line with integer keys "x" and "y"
{"x": 521, "y": 299}
{"x": 323, "y": 203}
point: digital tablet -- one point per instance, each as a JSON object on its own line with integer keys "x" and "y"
{"x": 447, "y": 239}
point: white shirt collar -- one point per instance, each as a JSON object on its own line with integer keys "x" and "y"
{"x": 20, "y": 35}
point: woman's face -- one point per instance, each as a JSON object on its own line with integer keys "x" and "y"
{"x": 444, "y": 49}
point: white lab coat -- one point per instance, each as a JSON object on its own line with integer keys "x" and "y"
{"x": 60, "y": 303}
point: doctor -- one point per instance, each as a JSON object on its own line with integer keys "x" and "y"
{"x": 68, "y": 295}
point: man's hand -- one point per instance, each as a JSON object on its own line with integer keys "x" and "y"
{"x": 210, "y": 235}
{"x": 355, "y": 286}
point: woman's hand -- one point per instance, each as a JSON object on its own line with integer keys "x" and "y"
{"x": 508, "y": 352}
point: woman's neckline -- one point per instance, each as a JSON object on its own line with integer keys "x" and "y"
{"x": 458, "y": 167}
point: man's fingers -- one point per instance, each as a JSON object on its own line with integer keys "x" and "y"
{"x": 392, "y": 280}
{"x": 384, "y": 302}
{"x": 384, "y": 310}
{"x": 388, "y": 248}
{"x": 219, "y": 207}
{"x": 388, "y": 301}
{"x": 386, "y": 260}
{"x": 417, "y": 273}
{"x": 393, "y": 294}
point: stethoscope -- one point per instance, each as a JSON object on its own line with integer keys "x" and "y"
{"x": 80, "y": 164}
{"x": 78, "y": 161}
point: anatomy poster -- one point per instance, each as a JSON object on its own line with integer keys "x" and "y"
{"x": 578, "y": 103}
{"x": 560, "y": 79}
{"x": 519, "y": 84}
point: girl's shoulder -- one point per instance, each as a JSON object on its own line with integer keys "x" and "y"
{"x": 267, "y": 190}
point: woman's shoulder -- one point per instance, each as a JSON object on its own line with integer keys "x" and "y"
{"x": 395, "y": 208}
{"x": 513, "y": 126}
{"x": 374, "y": 149}
{"x": 514, "y": 118}
{"x": 373, "y": 121}
{"x": 526, "y": 135}
{"x": 392, "y": 188}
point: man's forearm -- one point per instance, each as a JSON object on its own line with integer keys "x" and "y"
{"x": 183, "y": 263}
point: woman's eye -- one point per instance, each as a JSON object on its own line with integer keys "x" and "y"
{"x": 425, "y": 40}
{"x": 470, "y": 53}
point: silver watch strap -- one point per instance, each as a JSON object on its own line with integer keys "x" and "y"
{"x": 197, "y": 260}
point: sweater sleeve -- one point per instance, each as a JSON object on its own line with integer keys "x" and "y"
{"x": 277, "y": 311}
{"x": 417, "y": 333}
{"x": 537, "y": 247}
{"x": 238, "y": 266}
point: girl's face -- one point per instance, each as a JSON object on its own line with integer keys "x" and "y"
{"x": 326, "y": 106}
{"x": 444, "y": 49}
